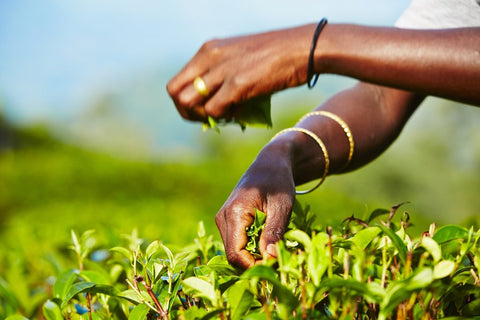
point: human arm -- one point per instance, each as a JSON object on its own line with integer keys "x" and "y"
{"x": 443, "y": 63}
{"x": 375, "y": 116}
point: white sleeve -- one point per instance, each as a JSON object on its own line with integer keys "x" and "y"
{"x": 440, "y": 14}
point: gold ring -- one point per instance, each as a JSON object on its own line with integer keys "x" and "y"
{"x": 200, "y": 86}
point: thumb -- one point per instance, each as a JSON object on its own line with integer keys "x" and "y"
{"x": 276, "y": 223}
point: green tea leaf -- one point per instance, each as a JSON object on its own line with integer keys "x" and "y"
{"x": 64, "y": 283}
{"x": 20, "y": 317}
{"x": 152, "y": 248}
{"x": 201, "y": 288}
{"x": 52, "y": 311}
{"x": 363, "y": 237}
{"x": 286, "y": 299}
{"x": 301, "y": 237}
{"x": 134, "y": 296}
{"x": 377, "y": 213}
{"x": 140, "y": 312}
{"x": 397, "y": 242}
{"x": 123, "y": 251}
{"x": 443, "y": 269}
{"x": 95, "y": 276}
{"x": 240, "y": 299}
{"x": 169, "y": 254}
{"x": 432, "y": 247}
{"x": 449, "y": 233}
{"x": 75, "y": 289}
{"x": 353, "y": 287}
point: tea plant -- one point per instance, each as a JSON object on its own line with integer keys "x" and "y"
{"x": 365, "y": 269}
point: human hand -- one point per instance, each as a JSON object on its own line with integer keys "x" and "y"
{"x": 236, "y": 70}
{"x": 267, "y": 186}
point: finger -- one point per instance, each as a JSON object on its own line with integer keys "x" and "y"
{"x": 190, "y": 101}
{"x": 235, "y": 238}
{"x": 278, "y": 215}
{"x": 220, "y": 105}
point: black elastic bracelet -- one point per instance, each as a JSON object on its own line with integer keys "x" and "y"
{"x": 311, "y": 76}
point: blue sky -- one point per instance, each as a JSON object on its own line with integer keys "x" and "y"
{"x": 56, "y": 55}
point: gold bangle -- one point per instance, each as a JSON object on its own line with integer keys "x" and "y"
{"x": 344, "y": 126}
{"x": 322, "y": 146}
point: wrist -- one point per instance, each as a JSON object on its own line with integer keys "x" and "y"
{"x": 304, "y": 154}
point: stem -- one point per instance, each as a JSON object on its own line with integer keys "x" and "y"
{"x": 90, "y": 306}
{"x": 163, "y": 314}
{"x": 408, "y": 263}
{"x": 384, "y": 263}
{"x": 330, "y": 252}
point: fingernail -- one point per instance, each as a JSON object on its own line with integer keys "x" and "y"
{"x": 271, "y": 250}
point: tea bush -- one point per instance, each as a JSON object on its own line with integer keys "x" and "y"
{"x": 364, "y": 269}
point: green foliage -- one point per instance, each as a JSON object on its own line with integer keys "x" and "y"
{"x": 360, "y": 270}
{"x": 48, "y": 188}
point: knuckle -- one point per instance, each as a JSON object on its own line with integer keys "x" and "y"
{"x": 211, "y": 47}
{"x": 235, "y": 259}
{"x": 274, "y": 233}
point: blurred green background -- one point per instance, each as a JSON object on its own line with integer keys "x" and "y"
{"x": 106, "y": 150}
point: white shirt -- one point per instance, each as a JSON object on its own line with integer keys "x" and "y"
{"x": 440, "y": 14}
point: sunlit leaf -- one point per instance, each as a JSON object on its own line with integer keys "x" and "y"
{"x": 200, "y": 288}
{"x": 443, "y": 269}
{"x": 363, "y": 237}
{"x": 152, "y": 248}
{"x": 20, "y": 317}
{"x": 450, "y": 232}
{"x": 52, "y": 311}
{"x": 299, "y": 236}
{"x": 432, "y": 247}
{"x": 75, "y": 289}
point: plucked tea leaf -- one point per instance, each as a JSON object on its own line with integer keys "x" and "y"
{"x": 255, "y": 112}
{"x": 253, "y": 234}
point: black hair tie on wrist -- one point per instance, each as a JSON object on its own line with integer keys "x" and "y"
{"x": 311, "y": 76}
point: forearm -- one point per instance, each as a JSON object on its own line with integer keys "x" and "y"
{"x": 443, "y": 63}
{"x": 375, "y": 116}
